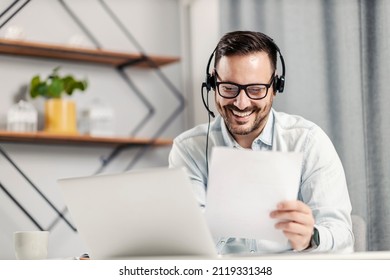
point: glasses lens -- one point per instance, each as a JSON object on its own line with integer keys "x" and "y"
{"x": 256, "y": 91}
{"x": 228, "y": 90}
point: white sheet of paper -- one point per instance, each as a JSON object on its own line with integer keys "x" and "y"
{"x": 245, "y": 186}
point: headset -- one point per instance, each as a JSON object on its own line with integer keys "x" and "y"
{"x": 210, "y": 81}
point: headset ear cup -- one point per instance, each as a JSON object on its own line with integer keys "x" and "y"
{"x": 281, "y": 82}
{"x": 210, "y": 82}
{"x": 213, "y": 82}
{"x": 276, "y": 83}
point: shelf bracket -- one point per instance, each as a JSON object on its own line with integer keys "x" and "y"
{"x": 17, "y": 11}
{"x": 132, "y": 62}
{"x": 41, "y": 194}
{"x": 17, "y": 203}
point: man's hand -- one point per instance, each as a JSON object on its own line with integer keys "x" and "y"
{"x": 297, "y": 222}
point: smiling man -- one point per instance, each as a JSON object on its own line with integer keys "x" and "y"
{"x": 245, "y": 81}
{"x": 244, "y": 114}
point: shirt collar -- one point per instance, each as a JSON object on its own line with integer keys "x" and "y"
{"x": 266, "y": 136}
{"x": 227, "y": 137}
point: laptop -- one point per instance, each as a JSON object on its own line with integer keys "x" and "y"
{"x": 141, "y": 213}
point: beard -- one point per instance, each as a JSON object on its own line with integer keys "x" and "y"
{"x": 255, "y": 123}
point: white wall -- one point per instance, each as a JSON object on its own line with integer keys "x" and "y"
{"x": 156, "y": 26}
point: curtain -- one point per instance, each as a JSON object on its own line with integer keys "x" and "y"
{"x": 337, "y": 56}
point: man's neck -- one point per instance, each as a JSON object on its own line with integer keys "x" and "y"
{"x": 246, "y": 141}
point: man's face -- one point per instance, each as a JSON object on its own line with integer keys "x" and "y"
{"x": 243, "y": 116}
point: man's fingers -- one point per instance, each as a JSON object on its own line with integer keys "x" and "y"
{"x": 298, "y": 242}
{"x": 298, "y": 217}
{"x": 294, "y": 228}
{"x": 294, "y": 205}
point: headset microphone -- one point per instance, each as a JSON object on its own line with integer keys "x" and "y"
{"x": 211, "y": 113}
{"x": 208, "y": 84}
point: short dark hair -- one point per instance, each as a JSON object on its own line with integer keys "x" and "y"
{"x": 246, "y": 42}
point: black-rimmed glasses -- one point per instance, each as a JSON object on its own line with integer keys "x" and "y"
{"x": 231, "y": 90}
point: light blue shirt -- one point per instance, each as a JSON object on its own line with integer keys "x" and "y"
{"x": 323, "y": 185}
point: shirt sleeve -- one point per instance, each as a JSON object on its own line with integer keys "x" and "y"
{"x": 324, "y": 189}
{"x": 180, "y": 156}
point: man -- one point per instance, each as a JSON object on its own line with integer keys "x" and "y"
{"x": 245, "y": 82}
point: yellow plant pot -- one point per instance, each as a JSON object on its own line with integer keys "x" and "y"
{"x": 60, "y": 116}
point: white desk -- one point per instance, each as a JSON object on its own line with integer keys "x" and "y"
{"x": 369, "y": 255}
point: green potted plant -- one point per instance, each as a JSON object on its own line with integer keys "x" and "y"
{"x": 60, "y": 113}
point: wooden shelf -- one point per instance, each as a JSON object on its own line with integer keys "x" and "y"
{"x": 117, "y": 59}
{"x": 50, "y": 138}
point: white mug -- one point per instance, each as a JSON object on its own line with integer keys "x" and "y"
{"x": 31, "y": 245}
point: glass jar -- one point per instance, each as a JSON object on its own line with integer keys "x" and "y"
{"x": 22, "y": 117}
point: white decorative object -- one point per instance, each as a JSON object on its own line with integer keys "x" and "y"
{"x": 14, "y": 33}
{"x": 100, "y": 119}
{"x": 22, "y": 117}
{"x": 31, "y": 245}
{"x": 78, "y": 41}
